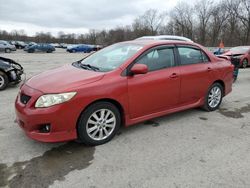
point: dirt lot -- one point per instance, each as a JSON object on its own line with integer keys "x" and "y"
{"x": 187, "y": 149}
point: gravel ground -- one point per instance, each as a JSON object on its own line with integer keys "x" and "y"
{"x": 187, "y": 149}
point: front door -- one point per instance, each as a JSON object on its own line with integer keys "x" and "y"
{"x": 158, "y": 89}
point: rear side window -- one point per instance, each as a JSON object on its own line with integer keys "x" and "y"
{"x": 158, "y": 59}
{"x": 192, "y": 56}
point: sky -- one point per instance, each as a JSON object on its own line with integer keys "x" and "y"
{"x": 73, "y": 16}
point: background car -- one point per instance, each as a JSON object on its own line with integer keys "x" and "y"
{"x": 40, "y": 48}
{"x": 10, "y": 72}
{"x": 80, "y": 48}
{"x": 241, "y": 52}
{"x": 165, "y": 37}
{"x": 29, "y": 45}
{"x": 20, "y": 44}
{"x": 6, "y": 47}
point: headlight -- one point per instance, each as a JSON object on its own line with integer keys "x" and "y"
{"x": 53, "y": 99}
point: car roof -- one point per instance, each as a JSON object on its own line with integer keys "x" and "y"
{"x": 165, "y": 37}
{"x": 241, "y": 47}
{"x": 159, "y": 42}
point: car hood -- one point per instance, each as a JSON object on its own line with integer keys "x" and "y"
{"x": 63, "y": 79}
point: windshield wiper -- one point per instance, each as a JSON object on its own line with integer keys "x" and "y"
{"x": 89, "y": 67}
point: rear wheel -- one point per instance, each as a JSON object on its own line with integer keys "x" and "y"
{"x": 3, "y": 80}
{"x": 244, "y": 63}
{"x": 214, "y": 97}
{"x": 31, "y": 51}
{"x": 99, "y": 123}
{"x": 7, "y": 50}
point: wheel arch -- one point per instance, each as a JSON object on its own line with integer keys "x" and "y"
{"x": 112, "y": 101}
{"x": 5, "y": 71}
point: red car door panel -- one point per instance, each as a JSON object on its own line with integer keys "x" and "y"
{"x": 195, "y": 81}
{"x": 159, "y": 88}
{"x": 196, "y": 74}
{"x": 154, "y": 91}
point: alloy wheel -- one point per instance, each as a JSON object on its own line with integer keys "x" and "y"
{"x": 101, "y": 124}
{"x": 214, "y": 97}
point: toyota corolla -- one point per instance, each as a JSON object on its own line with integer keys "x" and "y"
{"x": 123, "y": 84}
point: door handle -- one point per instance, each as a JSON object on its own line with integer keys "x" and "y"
{"x": 174, "y": 75}
{"x": 209, "y": 69}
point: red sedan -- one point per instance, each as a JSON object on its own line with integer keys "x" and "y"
{"x": 122, "y": 84}
{"x": 241, "y": 52}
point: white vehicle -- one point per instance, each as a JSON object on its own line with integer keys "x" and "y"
{"x": 6, "y": 47}
{"x": 165, "y": 37}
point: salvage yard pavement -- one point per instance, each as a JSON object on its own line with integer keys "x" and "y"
{"x": 193, "y": 148}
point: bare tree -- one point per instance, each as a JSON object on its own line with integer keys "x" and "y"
{"x": 203, "y": 11}
{"x": 149, "y": 23}
{"x": 231, "y": 31}
{"x": 244, "y": 17}
{"x": 182, "y": 20}
{"x": 219, "y": 17}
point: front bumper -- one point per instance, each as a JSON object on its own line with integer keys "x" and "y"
{"x": 61, "y": 118}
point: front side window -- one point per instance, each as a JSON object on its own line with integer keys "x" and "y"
{"x": 191, "y": 56}
{"x": 158, "y": 59}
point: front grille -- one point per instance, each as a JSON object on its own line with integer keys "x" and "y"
{"x": 24, "y": 98}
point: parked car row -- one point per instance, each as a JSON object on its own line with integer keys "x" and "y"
{"x": 32, "y": 47}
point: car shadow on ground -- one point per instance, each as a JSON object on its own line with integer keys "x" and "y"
{"x": 156, "y": 122}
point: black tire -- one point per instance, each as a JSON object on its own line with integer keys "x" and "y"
{"x": 244, "y": 63}
{"x": 31, "y": 51}
{"x": 49, "y": 51}
{"x": 83, "y": 136}
{"x": 3, "y": 80}
{"x": 7, "y": 50}
{"x": 207, "y": 106}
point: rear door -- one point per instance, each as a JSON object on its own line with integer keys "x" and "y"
{"x": 196, "y": 72}
{"x": 158, "y": 89}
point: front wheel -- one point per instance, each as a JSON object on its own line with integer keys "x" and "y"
{"x": 3, "y": 80}
{"x": 214, "y": 97}
{"x": 31, "y": 51}
{"x": 7, "y": 50}
{"x": 99, "y": 123}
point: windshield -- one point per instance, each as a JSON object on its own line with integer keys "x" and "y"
{"x": 240, "y": 49}
{"x": 111, "y": 57}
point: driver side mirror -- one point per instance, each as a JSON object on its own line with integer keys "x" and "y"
{"x": 139, "y": 69}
